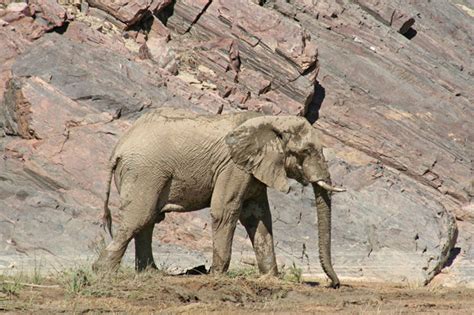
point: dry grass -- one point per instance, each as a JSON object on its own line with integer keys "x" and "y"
{"x": 241, "y": 291}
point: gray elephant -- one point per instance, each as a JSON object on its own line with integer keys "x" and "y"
{"x": 174, "y": 160}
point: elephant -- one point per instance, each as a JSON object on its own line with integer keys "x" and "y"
{"x": 172, "y": 160}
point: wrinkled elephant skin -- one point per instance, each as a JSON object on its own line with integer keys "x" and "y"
{"x": 171, "y": 160}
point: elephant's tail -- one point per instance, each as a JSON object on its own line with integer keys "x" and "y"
{"x": 107, "y": 216}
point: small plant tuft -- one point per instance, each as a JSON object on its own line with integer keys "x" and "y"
{"x": 37, "y": 277}
{"x": 76, "y": 281}
{"x": 293, "y": 274}
{"x": 10, "y": 289}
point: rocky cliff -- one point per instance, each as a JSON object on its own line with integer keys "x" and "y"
{"x": 388, "y": 85}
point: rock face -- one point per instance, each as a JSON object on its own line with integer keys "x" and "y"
{"x": 130, "y": 12}
{"x": 389, "y": 88}
{"x": 270, "y": 57}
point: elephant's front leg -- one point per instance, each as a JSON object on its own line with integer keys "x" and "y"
{"x": 257, "y": 220}
{"x": 226, "y": 204}
{"x": 223, "y": 228}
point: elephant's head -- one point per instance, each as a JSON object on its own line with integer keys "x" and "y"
{"x": 275, "y": 148}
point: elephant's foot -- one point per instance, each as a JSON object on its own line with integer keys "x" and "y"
{"x": 145, "y": 265}
{"x": 218, "y": 267}
{"x": 266, "y": 260}
{"x": 335, "y": 284}
{"x": 268, "y": 270}
{"x": 217, "y": 271}
{"x": 220, "y": 258}
{"x": 99, "y": 267}
{"x": 107, "y": 262}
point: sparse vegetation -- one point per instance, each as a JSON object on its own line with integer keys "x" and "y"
{"x": 37, "y": 274}
{"x": 75, "y": 281}
{"x": 9, "y": 288}
{"x": 292, "y": 274}
{"x": 242, "y": 290}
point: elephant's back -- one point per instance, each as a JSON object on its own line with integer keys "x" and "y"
{"x": 178, "y": 130}
{"x": 165, "y": 114}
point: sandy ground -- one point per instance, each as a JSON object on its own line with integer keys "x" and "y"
{"x": 81, "y": 292}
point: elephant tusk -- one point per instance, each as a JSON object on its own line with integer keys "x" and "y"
{"x": 328, "y": 187}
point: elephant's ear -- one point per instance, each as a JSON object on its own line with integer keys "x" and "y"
{"x": 259, "y": 149}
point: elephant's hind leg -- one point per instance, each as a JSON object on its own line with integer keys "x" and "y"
{"x": 257, "y": 220}
{"x": 139, "y": 198}
{"x": 143, "y": 250}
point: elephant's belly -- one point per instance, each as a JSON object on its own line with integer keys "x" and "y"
{"x": 186, "y": 196}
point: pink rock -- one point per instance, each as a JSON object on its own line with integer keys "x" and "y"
{"x": 158, "y": 29}
{"x": 36, "y": 98}
{"x": 278, "y": 34}
{"x": 17, "y": 7}
{"x": 130, "y": 12}
{"x": 162, "y": 54}
{"x": 233, "y": 35}
{"x": 12, "y": 16}
{"x": 81, "y": 32}
{"x": 397, "y": 16}
{"x": 50, "y": 11}
{"x": 158, "y": 5}
{"x": 285, "y": 103}
{"x": 329, "y": 9}
{"x": 254, "y": 81}
{"x": 239, "y": 97}
{"x": 140, "y": 38}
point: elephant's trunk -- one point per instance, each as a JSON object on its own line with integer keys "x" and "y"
{"x": 323, "y": 207}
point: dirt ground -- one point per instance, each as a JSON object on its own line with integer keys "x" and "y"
{"x": 152, "y": 292}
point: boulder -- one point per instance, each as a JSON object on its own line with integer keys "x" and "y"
{"x": 32, "y": 19}
{"x": 130, "y": 12}
{"x": 11, "y": 45}
{"x": 400, "y": 18}
{"x": 48, "y": 13}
